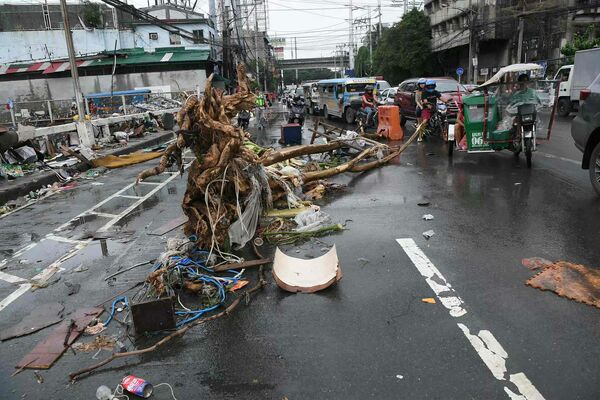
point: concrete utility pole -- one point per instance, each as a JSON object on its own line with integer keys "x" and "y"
{"x": 379, "y": 25}
{"x": 370, "y": 42}
{"x": 296, "y": 48}
{"x": 520, "y": 42}
{"x": 471, "y": 30}
{"x": 72, "y": 61}
{"x": 256, "y": 43}
{"x": 350, "y": 36}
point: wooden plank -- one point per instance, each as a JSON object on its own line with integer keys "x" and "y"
{"x": 41, "y": 317}
{"x": 45, "y": 354}
{"x": 169, "y": 226}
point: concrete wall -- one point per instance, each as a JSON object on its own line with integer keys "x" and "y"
{"x": 142, "y": 38}
{"x": 62, "y": 88}
{"x": 41, "y": 45}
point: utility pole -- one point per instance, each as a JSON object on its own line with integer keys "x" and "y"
{"x": 256, "y": 43}
{"x": 296, "y": 47}
{"x": 350, "y": 36}
{"x": 379, "y": 25}
{"x": 471, "y": 30}
{"x": 72, "y": 62}
{"x": 370, "y": 42}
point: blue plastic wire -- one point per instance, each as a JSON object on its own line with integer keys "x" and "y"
{"x": 124, "y": 299}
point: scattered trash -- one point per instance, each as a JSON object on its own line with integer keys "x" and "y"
{"x": 240, "y": 284}
{"x": 80, "y": 268}
{"x": 48, "y": 351}
{"x": 72, "y": 288}
{"x": 364, "y": 260}
{"x": 535, "y": 263}
{"x": 423, "y": 204}
{"x": 258, "y": 241}
{"x": 517, "y": 183}
{"x": 38, "y": 377}
{"x": 137, "y": 157}
{"x": 41, "y": 317}
{"x": 137, "y": 386}
{"x": 572, "y": 281}
{"x": 429, "y": 300}
{"x": 94, "y": 329}
{"x": 427, "y": 217}
{"x": 308, "y": 276}
{"x": 104, "y": 393}
{"x": 428, "y": 234}
{"x": 399, "y": 376}
{"x": 99, "y": 342}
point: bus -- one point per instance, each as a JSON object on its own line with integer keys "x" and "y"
{"x": 336, "y": 95}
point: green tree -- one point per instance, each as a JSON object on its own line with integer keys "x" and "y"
{"x": 92, "y": 15}
{"x": 580, "y": 42}
{"x": 405, "y": 49}
{"x": 362, "y": 64}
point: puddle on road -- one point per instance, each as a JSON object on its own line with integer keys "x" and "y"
{"x": 115, "y": 205}
{"x": 39, "y": 257}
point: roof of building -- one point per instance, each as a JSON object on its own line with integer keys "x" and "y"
{"x": 135, "y": 56}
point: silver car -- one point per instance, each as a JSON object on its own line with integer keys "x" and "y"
{"x": 585, "y": 130}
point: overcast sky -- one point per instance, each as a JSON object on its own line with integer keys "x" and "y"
{"x": 317, "y": 25}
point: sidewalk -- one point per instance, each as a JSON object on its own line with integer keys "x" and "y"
{"x": 11, "y": 190}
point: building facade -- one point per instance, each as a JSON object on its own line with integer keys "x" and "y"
{"x": 487, "y": 31}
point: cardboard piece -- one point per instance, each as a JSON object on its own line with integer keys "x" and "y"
{"x": 41, "y": 317}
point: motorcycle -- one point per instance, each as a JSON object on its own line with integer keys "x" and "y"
{"x": 243, "y": 119}
{"x": 524, "y": 125}
{"x": 361, "y": 115}
{"x": 438, "y": 123}
{"x": 296, "y": 113}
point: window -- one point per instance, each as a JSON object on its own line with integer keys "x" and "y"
{"x": 174, "y": 38}
{"x": 199, "y": 35}
{"x": 153, "y": 36}
{"x": 410, "y": 87}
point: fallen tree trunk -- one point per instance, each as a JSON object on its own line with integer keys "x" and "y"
{"x": 274, "y": 157}
{"x": 326, "y": 173}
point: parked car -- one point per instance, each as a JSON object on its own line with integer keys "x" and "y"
{"x": 405, "y": 97}
{"x": 585, "y": 130}
{"x": 387, "y": 96}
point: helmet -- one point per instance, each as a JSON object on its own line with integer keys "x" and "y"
{"x": 430, "y": 85}
{"x": 523, "y": 78}
{"x": 421, "y": 81}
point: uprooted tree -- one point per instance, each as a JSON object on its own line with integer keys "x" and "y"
{"x": 228, "y": 182}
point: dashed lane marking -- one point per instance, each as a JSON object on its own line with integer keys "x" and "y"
{"x": 517, "y": 386}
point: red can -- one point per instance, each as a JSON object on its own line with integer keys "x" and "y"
{"x": 137, "y": 386}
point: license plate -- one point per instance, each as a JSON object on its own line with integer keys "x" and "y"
{"x": 451, "y": 132}
{"x": 528, "y": 134}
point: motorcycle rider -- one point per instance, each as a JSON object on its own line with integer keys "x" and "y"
{"x": 523, "y": 94}
{"x": 429, "y": 99}
{"x": 297, "y": 103}
{"x": 368, "y": 103}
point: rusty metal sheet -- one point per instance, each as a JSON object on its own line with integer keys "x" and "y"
{"x": 41, "y": 317}
{"x": 169, "y": 226}
{"x": 47, "y": 352}
{"x": 573, "y": 281}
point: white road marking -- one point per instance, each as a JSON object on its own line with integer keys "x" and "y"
{"x": 54, "y": 268}
{"x": 547, "y": 155}
{"x": 485, "y": 344}
{"x": 434, "y": 278}
{"x": 14, "y": 295}
{"x": 11, "y": 278}
{"x": 126, "y": 196}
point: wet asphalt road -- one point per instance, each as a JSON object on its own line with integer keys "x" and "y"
{"x": 370, "y": 336}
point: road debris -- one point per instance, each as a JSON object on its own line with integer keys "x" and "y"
{"x": 99, "y": 342}
{"x": 535, "y": 263}
{"x": 427, "y": 217}
{"x": 572, "y": 281}
{"x": 428, "y": 234}
{"x": 41, "y": 317}
{"x": 48, "y": 351}
{"x": 38, "y": 377}
{"x": 364, "y": 261}
{"x": 307, "y": 276}
{"x": 423, "y": 204}
{"x": 429, "y": 300}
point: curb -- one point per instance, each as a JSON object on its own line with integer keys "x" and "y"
{"x": 14, "y": 189}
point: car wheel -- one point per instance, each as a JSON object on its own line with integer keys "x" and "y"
{"x": 349, "y": 115}
{"x": 564, "y": 107}
{"x": 595, "y": 168}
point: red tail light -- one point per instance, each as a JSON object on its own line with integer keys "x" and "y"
{"x": 584, "y": 94}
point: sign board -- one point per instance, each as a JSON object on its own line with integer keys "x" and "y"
{"x": 277, "y": 41}
{"x": 484, "y": 71}
{"x": 279, "y": 52}
{"x": 475, "y": 61}
{"x": 460, "y": 71}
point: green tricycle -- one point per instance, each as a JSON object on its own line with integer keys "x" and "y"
{"x": 507, "y": 112}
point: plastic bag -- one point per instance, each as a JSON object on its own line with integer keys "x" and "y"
{"x": 311, "y": 220}
{"x": 243, "y": 229}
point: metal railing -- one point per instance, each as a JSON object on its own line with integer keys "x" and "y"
{"x": 41, "y": 113}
